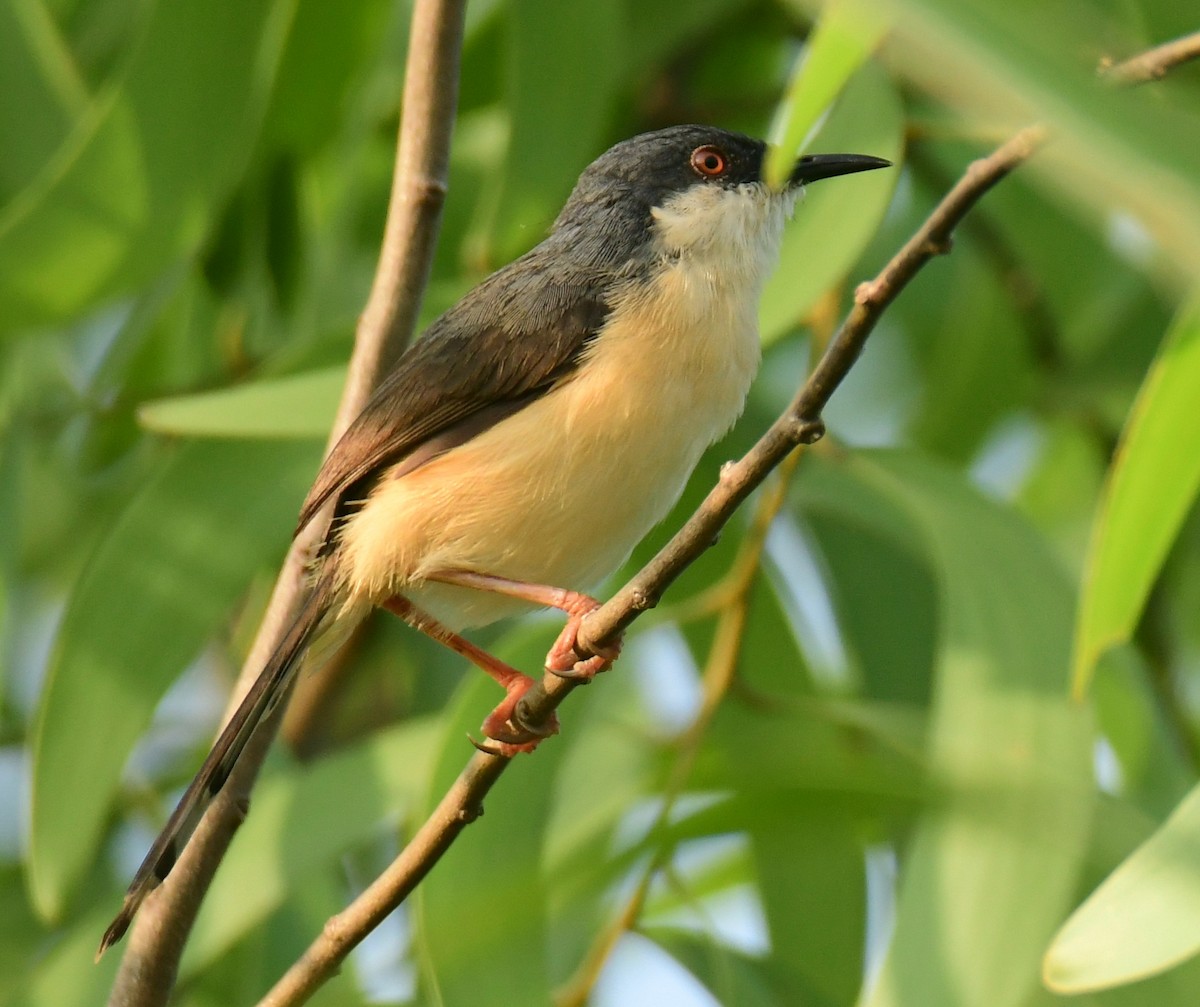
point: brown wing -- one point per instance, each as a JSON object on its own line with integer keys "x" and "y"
{"x": 506, "y": 342}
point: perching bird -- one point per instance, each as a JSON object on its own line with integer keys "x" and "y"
{"x": 540, "y": 428}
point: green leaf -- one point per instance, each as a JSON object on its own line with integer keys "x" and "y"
{"x": 300, "y": 822}
{"x": 891, "y": 645}
{"x": 656, "y": 30}
{"x": 1156, "y": 772}
{"x": 1151, "y": 486}
{"x": 1114, "y": 150}
{"x": 133, "y": 186}
{"x": 837, "y": 216}
{"x": 19, "y": 936}
{"x": 845, "y": 35}
{"x": 731, "y": 977}
{"x": 157, "y": 588}
{"x": 974, "y": 359}
{"x": 1011, "y": 751}
{"x": 560, "y": 98}
{"x": 300, "y": 405}
{"x": 1144, "y": 918}
{"x": 68, "y": 975}
{"x": 327, "y": 48}
{"x": 42, "y": 92}
{"x": 813, "y": 884}
{"x": 795, "y": 773}
{"x": 608, "y": 766}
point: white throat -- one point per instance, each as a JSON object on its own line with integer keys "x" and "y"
{"x": 734, "y": 234}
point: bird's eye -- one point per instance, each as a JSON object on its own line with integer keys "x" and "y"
{"x": 709, "y": 161}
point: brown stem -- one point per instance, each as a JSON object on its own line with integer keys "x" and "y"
{"x": 1153, "y": 64}
{"x": 150, "y": 964}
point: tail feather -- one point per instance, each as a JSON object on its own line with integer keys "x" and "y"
{"x": 270, "y": 686}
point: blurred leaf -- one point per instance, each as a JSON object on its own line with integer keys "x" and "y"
{"x": 837, "y": 217}
{"x": 12, "y": 446}
{"x": 560, "y": 98}
{"x": 809, "y": 862}
{"x": 41, "y": 88}
{"x": 1151, "y": 486}
{"x": 846, "y": 33}
{"x": 1013, "y": 751}
{"x": 730, "y": 976}
{"x": 656, "y": 30}
{"x": 19, "y": 937}
{"x": 302, "y": 820}
{"x": 1155, "y": 772}
{"x": 300, "y": 406}
{"x": 892, "y": 644}
{"x": 1116, "y": 151}
{"x": 813, "y": 882}
{"x": 736, "y": 83}
{"x": 157, "y": 588}
{"x": 327, "y": 45}
{"x": 133, "y": 185}
{"x": 973, "y": 355}
{"x": 1090, "y": 300}
{"x": 1144, "y": 919}
{"x": 792, "y": 747}
{"x": 1059, "y": 492}
{"x": 608, "y": 768}
{"x": 69, "y": 975}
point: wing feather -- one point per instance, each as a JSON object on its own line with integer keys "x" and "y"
{"x": 510, "y": 339}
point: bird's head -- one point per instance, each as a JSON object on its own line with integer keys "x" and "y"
{"x": 691, "y": 191}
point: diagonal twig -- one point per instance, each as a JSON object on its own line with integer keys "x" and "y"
{"x": 1153, "y": 64}
{"x": 151, "y": 960}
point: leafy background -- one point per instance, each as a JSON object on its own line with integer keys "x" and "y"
{"x": 947, "y": 747}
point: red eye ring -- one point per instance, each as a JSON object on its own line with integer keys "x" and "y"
{"x": 709, "y": 162}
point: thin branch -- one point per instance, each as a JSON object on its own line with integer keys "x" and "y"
{"x": 800, "y": 424}
{"x": 1153, "y": 64}
{"x": 150, "y": 964}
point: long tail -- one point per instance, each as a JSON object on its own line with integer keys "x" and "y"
{"x": 264, "y": 694}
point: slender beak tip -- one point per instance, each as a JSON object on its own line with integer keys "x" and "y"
{"x": 813, "y": 167}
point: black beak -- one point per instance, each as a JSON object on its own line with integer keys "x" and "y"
{"x": 813, "y": 167}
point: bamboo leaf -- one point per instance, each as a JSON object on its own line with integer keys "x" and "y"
{"x": 1150, "y": 488}
{"x": 300, "y": 406}
{"x": 156, "y": 589}
{"x": 1143, "y": 919}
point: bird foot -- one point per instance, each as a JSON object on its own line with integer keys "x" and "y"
{"x": 563, "y": 659}
{"x": 510, "y": 732}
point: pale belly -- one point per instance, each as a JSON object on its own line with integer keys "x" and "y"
{"x": 561, "y": 492}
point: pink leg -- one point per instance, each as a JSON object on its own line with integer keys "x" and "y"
{"x": 564, "y": 658}
{"x": 502, "y": 724}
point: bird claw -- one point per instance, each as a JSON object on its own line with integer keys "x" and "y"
{"x": 563, "y": 659}
{"x": 510, "y": 732}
